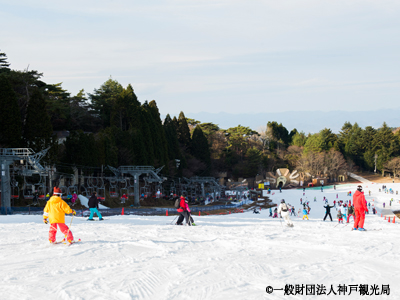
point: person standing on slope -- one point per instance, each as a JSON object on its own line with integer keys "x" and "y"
{"x": 54, "y": 212}
{"x": 292, "y": 211}
{"x": 350, "y": 212}
{"x": 305, "y": 213}
{"x": 74, "y": 198}
{"x": 283, "y": 209}
{"x": 94, "y": 207}
{"x": 340, "y": 217}
{"x": 343, "y": 210}
{"x": 360, "y": 208}
{"x": 328, "y": 211}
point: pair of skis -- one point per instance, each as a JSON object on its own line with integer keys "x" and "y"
{"x": 66, "y": 242}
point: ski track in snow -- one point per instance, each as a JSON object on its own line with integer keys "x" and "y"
{"x": 232, "y": 256}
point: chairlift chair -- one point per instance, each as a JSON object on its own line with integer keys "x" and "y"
{"x": 64, "y": 191}
{"x": 101, "y": 193}
{"x": 84, "y": 192}
{"x": 113, "y": 190}
{"x": 41, "y": 190}
{"x": 14, "y": 189}
{"x": 27, "y": 190}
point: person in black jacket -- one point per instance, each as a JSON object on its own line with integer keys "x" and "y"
{"x": 93, "y": 207}
{"x": 328, "y": 211}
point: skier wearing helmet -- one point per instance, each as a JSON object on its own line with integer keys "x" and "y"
{"x": 360, "y": 207}
{"x": 283, "y": 209}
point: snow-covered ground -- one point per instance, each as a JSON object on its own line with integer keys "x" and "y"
{"x": 226, "y": 257}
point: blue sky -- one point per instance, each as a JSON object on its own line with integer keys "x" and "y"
{"x": 215, "y": 55}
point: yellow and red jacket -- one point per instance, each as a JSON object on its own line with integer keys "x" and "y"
{"x": 55, "y": 210}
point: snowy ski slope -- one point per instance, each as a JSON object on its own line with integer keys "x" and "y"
{"x": 227, "y": 257}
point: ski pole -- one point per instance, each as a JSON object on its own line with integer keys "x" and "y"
{"x": 173, "y": 220}
{"x": 70, "y": 224}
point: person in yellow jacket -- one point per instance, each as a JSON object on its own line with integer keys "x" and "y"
{"x": 54, "y": 212}
{"x": 305, "y": 213}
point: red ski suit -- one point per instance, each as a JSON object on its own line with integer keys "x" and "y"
{"x": 55, "y": 211}
{"x": 360, "y": 207}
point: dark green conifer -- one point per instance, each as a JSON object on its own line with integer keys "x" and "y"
{"x": 37, "y": 130}
{"x": 201, "y": 149}
{"x": 183, "y": 132}
{"x": 4, "y": 65}
{"x": 172, "y": 138}
{"x": 159, "y": 137}
{"x": 10, "y": 118}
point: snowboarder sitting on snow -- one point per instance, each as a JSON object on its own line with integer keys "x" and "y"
{"x": 54, "y": 212}
{"x": 328, "y": 211}
{"x": 255, "y": 211}
{"x": 283, "y": 209}
{"x": 340, "y": 217}
{"x": 94, "y": 207}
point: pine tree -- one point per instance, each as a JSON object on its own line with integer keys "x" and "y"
{"x": 10, "y": 118}
{"x": 387, "y": 145}
{"x": 148, "y": 129}
{"x": 37, "y": 129}
{"x": 4, "y": 65}
{"x": 201, "y": 149}
{"x": 107, "y": 148}
{"x": 104, "y": 99}
{"x": 172, "y": 139}
{"x": 81, "y": 149}
{"x": 159, "y": 137}
{"x": 183, "y": 132}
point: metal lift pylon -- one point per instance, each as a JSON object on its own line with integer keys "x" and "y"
{"x": 135, "y": 172}
{"x": 7, "y": 157}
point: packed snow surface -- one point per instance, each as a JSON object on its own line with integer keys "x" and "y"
{"x": 234, "y": 256}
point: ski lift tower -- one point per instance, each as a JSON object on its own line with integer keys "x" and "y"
{"x": 7, "y": 157}
{"x": 135, "y": 172}
{"x": 204, "y": 180}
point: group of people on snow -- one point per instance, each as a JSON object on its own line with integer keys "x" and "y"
{"x": 346, "y": 209}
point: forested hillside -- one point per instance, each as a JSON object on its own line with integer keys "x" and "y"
{"x": 109, "y": 126}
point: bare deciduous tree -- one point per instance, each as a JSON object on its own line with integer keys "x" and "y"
{"x": 393, "y": 165}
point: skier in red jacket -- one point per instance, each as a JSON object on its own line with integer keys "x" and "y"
{"x": 184, "y": 211}
{"x": 360, "y": 207}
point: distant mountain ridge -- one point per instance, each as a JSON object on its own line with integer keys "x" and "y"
{"x": 307, "y": 121}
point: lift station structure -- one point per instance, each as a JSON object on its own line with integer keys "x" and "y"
{"x": 135, "y": 172}
{"x": 29, "y": 161}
